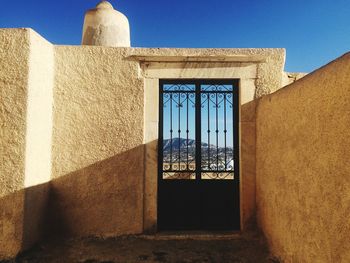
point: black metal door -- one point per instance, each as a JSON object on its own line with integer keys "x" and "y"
{"x": 198, "y": 177}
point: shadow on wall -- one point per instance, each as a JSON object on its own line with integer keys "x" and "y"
{"x": 22, "y": 217}
{"x": 248, "y": 167}
{"x": 103, "y": 199}
{"x": 34, "y": 214}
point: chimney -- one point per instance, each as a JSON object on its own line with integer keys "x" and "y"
{"x": 105, "y": 26}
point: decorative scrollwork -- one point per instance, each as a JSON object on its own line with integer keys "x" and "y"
{"x": 179, "y": 175}
{"x": 229, "y": 100}
{"x": 216, "y": 88}
{"x": 181, "y": 148}
{"x": 166, "y": 167}
{"x": 179, "y": 87}
{"x": 217, "y": 176}
{"x": 174, "y": 99}
{"x": 218, "y": 165}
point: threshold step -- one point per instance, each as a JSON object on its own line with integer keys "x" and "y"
{"x": 193, "y": 235}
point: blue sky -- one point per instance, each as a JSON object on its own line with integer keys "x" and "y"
{"x": 313, "y": 32}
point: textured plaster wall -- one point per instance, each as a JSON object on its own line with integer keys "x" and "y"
{"x": 98, "y": 153}
{"x": 92, "y": 143}
{"x": 25, "y": 114}
{"x": 151, "y": 124}
{"x": 14, "y": 61}
{"x": 303, "y": 182}
{"x": 39, "y": 123}
{"x": 248, "y": 164}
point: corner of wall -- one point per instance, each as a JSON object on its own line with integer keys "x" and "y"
{"x": 26, "y": 101}
{"x": 270, "y": 73}
{"x": 14, "y": 57}
{"x": 38, "y": 137}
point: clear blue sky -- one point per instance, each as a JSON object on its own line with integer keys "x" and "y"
{"x": 313, "y": 31}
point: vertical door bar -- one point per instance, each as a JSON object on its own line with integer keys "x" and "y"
{"x": 160, "y": 134}
{"x": 198, "y": 132}
{"x": 235, "y": 108}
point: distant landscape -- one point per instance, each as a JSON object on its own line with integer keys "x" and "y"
{"x": 172, "y": 147}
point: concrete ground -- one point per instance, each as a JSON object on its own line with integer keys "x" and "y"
{"x": 168, "y": 249}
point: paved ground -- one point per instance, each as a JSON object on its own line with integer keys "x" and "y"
{"x": 151, "y": 249}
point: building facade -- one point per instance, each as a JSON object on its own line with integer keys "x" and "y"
{"x": 80, "y": 137}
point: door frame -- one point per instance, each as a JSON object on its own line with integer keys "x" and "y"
{"x": 235, "y": 82}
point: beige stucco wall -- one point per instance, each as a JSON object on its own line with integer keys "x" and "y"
{"x": 248, "y": 164}
{"x": 99, "y": 140}
{"x": 269, "y": 71}
{"x": 101, "y": 167}
{"x": 14, "y": 60}
{"x": 98, "y": 153}
{"x": 102, "y": 138}
{"x": 39, "y": 122}
{"x": 303, "y": 183}
{"x": 26, "y": 103}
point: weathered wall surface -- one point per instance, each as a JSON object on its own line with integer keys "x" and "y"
{"x": 303, "y": 183}
{"x": 25, "y": 136}
{"x": 98, "y": 153}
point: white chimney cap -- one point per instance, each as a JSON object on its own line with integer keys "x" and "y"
{"x": 105, "y": 26}
{"x": 104, "y": 5}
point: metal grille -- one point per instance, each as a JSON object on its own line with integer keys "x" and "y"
{"x": 178, "y": 144}
{"x": 198, "y": 129}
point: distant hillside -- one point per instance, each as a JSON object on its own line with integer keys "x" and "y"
{"x": 171, "y": 153}
{"x": 174, "y": 143}
{"x": 183, "y": 144}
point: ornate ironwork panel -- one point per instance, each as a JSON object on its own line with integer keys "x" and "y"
{"x": 217, "y": 151}
{"x": 179, "y": 147}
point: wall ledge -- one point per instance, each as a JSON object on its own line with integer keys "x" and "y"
{"x": 204, "y": 59}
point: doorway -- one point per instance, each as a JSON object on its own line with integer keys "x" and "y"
{"x": 198, "y": 155}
